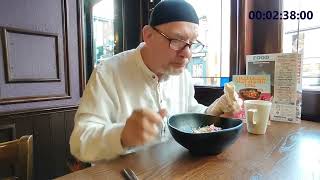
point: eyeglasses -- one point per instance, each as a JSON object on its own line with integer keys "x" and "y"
{"x": 178, "y": 44}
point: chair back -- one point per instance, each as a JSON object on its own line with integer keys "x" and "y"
{"x": 20, "y": 154}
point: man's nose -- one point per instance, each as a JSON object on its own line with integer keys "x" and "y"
{"x": 185, "y": 52}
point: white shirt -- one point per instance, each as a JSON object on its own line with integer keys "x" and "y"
{"x": 116, "y": 88}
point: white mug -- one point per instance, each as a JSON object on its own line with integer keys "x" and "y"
{"x": 257, "y": 115}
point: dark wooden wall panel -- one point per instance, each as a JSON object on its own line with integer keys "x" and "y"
{"x": 44, "y": 149}
{"x": 69, "y": 116}
{"x": 30, "y": 56}
{"x": 59, "y": 143}
{"x": 51, "y": 131}
{"x": 7, "y": 133}
{"x": 24, "y": 126}
{"x": 41, "y": 78}
{"x": 37, "y": 43}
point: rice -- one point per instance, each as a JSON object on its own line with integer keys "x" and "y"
{"x": 207, "y": 129}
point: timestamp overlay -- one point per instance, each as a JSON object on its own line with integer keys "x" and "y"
{"x": 280, "y": 15}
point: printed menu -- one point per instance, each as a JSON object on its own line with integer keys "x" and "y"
{"x": 286, "y": 86}
{"x": 251, "y": 87}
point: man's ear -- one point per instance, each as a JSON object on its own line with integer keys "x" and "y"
{"x": 147, "y": 34}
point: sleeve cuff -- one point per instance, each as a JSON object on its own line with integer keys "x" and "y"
{"x": 115, "y": 140}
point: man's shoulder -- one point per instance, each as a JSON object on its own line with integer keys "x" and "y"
{"x": 117, "y": 61}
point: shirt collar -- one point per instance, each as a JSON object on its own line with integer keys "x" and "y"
{"x": 146, "y": 71}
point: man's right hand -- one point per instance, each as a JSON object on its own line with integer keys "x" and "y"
{"x": 141, "y": 127}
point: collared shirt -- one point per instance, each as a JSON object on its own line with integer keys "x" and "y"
{"x": 116, "y": 88}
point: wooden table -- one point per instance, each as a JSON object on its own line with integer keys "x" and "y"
{"x": 286, "y": 151}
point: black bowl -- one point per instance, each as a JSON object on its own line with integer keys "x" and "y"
{"x": 181, "y": 128}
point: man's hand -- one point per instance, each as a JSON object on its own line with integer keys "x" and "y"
{"x": 141, "y": 127}
{"x": 228, "y": 103}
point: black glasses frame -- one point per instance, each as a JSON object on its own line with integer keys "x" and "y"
{"x": 190, "y": 45}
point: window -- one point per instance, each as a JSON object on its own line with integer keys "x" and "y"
{"x": 211, "y": 67}
{"x": 103, "y": 30}
{"x": 303, "y": 36}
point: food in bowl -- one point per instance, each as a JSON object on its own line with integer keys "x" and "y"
{"x": 249, "y": 94}
{"x": 181, "y": 127}
{"x": 207, "y": 129}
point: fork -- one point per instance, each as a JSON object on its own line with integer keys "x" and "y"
{"x": 129, "y": 174}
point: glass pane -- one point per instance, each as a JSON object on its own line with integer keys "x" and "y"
{"x": 313, "y": 6}
{"x": 103, "y": 30}
{"x": 303, "y": 36}
{"x": 211, "y": 66}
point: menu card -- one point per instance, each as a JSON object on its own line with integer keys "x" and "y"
{"x": 286, "y": 86}
{"x": 251, "y": 87}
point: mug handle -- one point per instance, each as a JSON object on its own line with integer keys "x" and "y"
{"x": 251, "y": 116}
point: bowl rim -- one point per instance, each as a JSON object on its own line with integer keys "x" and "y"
{"x": 223, "y": 130}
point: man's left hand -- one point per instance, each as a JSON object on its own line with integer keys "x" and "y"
{"x": 229, "y": 103}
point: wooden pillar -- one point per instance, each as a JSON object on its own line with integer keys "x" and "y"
{"x": 257, "y": 36}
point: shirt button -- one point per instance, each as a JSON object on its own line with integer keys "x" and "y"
{"x": 153, "y": 76}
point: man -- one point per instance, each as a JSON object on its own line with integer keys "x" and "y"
{"x": 128, "y": 96}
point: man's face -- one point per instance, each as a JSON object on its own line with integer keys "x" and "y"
{"x": 167, "y": 60}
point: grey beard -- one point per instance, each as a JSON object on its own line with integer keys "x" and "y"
{"x": 170, "y": 72}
